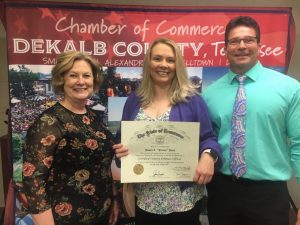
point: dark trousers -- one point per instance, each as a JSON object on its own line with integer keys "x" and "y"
{"x": 190, "y": 217}
{"x": 247, "y": 202}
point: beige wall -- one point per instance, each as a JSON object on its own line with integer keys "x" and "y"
{"x": 294, "y": 69}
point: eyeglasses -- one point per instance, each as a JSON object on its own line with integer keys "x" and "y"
{"x": 248, "y": 40}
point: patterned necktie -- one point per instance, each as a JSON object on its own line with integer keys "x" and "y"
{"x": 238, "y": 140}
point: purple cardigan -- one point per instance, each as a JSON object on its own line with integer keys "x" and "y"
{"x": 194, "y": 110}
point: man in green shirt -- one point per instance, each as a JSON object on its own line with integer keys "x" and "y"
{"x": 268, "y": 135}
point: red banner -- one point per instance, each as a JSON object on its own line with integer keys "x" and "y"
{"x": 119, "y": 36}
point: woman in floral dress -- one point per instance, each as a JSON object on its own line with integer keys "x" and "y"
{"x": 68, "y": 152}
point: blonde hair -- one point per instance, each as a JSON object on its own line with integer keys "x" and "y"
{"x": 65, "y": 62}
{"x": 181, "y": 87}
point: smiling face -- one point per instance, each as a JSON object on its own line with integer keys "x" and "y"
{"x": 242, "y": 49}
{"x": 78, "y": 83}
{"x": 162, "y": 65}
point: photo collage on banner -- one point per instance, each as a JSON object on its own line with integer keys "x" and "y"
{"x": 119, "y": 36}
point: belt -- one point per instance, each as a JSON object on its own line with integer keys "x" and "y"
{"x": 246, "y": 181}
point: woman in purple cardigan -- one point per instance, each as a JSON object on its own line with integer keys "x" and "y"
{"x": 166, "y": 94}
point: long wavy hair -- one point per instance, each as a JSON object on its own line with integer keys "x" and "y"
{"x": 181, "y": 87}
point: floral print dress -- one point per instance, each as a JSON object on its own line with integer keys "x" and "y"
{"x": 66, "y": 166}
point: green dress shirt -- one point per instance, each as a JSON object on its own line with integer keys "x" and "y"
{"x": 272, "y": 122}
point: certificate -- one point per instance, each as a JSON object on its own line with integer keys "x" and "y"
{"x": 159, "y": 151}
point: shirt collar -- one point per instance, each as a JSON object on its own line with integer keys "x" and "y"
{"x": 254, "y": 73}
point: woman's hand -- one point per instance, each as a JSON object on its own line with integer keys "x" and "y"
{"x": 298, "y": 218}
{"x": 205, "y": 169}
{"x": 120, "y": 150}
{"x": 114, "y": 213}
{"x": 44, "y": 218}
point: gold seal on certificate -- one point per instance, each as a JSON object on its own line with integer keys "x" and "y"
{"x": 138, "y": 169}
{"x": 159, "y": 151}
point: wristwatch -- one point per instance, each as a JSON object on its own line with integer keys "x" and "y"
{"x": 212, "y": 154}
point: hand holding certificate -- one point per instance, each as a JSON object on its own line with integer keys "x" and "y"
{"x": 159, "y": 151}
